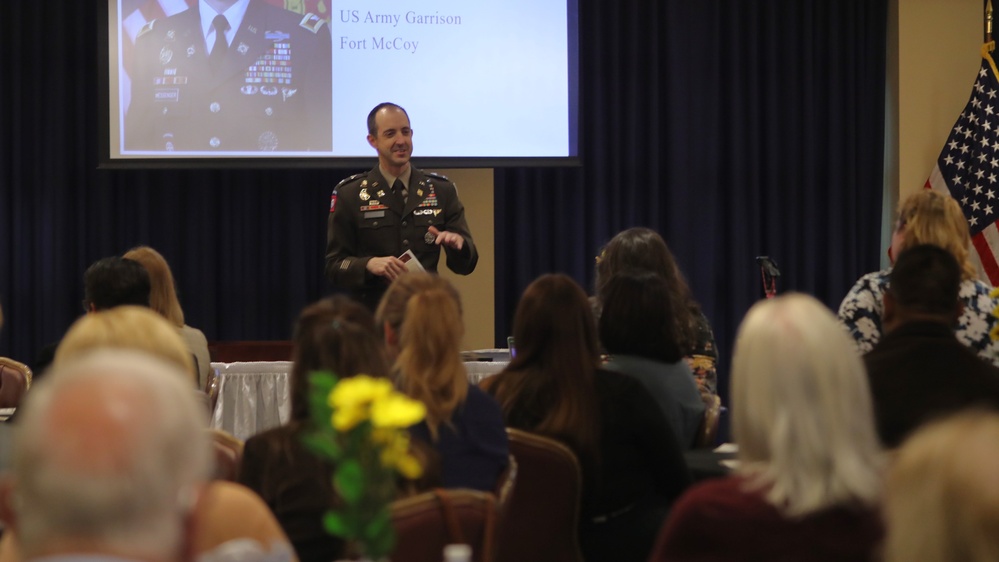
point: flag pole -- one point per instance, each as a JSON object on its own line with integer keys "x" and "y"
{"x": 988, "y": 24}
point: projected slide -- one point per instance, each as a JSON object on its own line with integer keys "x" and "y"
{"x": 296, "y": 78}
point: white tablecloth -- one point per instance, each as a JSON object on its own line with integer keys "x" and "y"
{"x": 253, "y": 396}
{"x": 256, "y": 396}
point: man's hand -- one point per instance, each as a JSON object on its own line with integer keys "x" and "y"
{"x": 449, "y": 239}
{"x": 388, "y": 267}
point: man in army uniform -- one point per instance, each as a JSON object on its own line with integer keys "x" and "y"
{"x": 263, "y": 83}
{"x": 377, "y": 216}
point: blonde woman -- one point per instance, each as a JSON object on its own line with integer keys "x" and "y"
{"x": 943, "y": 497}
{"x": 126, "y": 327}
{"x": 809, "y": 479}
{"x": 163, "y": 299}
{"x": 421, "y": 317}
{"x": 927, "y": 217}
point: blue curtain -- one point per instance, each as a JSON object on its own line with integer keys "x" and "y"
{"x": 734, "y": 128}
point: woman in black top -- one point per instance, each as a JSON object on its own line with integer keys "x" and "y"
{"x": 632, "y": 465}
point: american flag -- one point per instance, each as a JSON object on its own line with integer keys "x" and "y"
{"x": 968, "y": 166}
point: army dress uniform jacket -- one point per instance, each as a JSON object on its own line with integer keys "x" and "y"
{"x": 367, "y": 219}
{"x": 272, "y": 90}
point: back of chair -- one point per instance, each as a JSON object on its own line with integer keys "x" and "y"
{"x": 426, "y": 523}
{"x": 540, "y": 521}
{"x": 15, "y": 380}
{"x": 506, "y": 483}
{"x": 228, "y": 455}
{"x": 708, "y": 432}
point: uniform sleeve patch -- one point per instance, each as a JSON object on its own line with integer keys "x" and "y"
{"x": 333, "y": 202}
{"x": 312, "y": 22}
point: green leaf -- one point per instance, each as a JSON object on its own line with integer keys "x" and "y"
{"x": 380, "y": 535}
{"x": 349, "y": 481}
{"x": 336, "y": 524}
{"x": 323, "y": 381}
{"x": 321, "y": 445}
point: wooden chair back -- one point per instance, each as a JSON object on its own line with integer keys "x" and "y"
{"x": 426, "y": 523}
{"x": 15, "y": 380}
{"x": 228, "y": 455}
{"x": 542, "y": 516}
{"x": 708, "y": 432}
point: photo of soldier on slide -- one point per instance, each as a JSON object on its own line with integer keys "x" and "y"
{"x": 229, "y": 76}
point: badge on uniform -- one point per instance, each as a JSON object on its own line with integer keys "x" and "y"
{"x": 243, "y": 48}
{"x": 419, "y": 192}
{"x": 364, "y": 194}
{"x": 429, "y": 238}
{"x": 166, "y": 55}
{"x": 381, "y": 193}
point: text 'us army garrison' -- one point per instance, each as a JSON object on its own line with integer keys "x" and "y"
{"x": 381, "y": 42}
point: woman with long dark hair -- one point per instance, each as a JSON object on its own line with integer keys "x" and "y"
{"x": 637, "y": 330}
{"x": 643, "y": 249}
{"x": 632, "y": 464}
{"x": 337, "y": 335}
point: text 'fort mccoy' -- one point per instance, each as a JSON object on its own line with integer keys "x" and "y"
{"x": 384, "y": 42}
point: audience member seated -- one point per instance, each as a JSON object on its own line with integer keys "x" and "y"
{"x": 637, "y": 330}
{"x": 163, "y": 300}
{"x": 127, "y": 327}
{"x": 111, "y": 462}
{"x": 926, "y": 217}
{"x": 809, "y": 478}
{"x": 337, "y": 335}
{"x": 632, "y": 464}
{"x": 919, "y": 369}
{"x": 421, "y": 316}
{"x": 139, "y": 329}
{"x": 643, "y": 249}
{"x": 107, "y": 283}
{"x": 942, "y": 502}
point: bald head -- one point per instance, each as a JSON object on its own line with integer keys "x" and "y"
{"x": 110, "y": 450}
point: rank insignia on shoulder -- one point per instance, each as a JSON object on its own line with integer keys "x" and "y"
{"x": 435, "y": 175}
{"x": 312, "y": 22}
{"x": 350, "y": 179}
{"x": 146, "y": 28}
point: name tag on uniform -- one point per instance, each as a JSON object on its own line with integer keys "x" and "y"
{"x": 374, "y": 214}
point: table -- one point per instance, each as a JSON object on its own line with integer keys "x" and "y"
{"x": 255, "y": 396}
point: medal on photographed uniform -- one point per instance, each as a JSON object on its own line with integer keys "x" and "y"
{"x": 429, "y": 238}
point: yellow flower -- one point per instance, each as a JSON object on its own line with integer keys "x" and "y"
{"x": 397, "y": 410}
{"x": 358, "y": 391}
{"x": 395, "y": 454}
{"x": 345, "y": 419}
{"x": 408, "y": 467}
{"x": 994, "y": 293}
{"x": 994, "y": 333}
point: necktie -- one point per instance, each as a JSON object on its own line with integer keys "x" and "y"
{"x": 399, "y": 188}
{"x": 221, "y": 45}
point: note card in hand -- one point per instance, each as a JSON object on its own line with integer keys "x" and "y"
{"x": 412, "y": 264}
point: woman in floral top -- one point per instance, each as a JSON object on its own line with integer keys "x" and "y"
{"x": 927, "y": 217}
